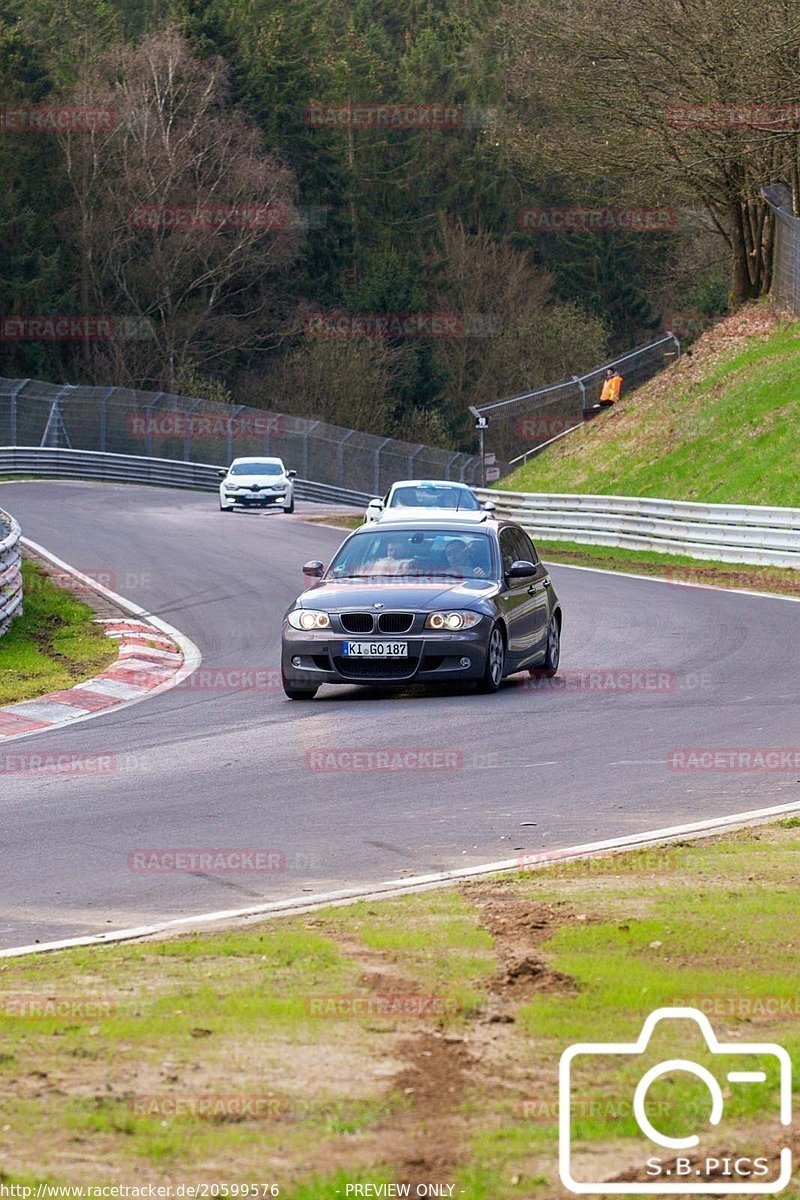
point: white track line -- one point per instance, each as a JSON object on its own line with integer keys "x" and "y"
{"x": 686, "y": 583}
{"x": 191, "y": 654}
{"x": 419, "y": 883}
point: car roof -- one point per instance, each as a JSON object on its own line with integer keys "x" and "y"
{"x": 450, "y": 483}
{"x": 397, "y": 516}
{"x": 442, "y": 518}
{"x": 258, "y": 458}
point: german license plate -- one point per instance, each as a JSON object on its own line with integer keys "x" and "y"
{"x": 375, "y": 649}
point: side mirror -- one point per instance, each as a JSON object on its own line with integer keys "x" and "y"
{"x": 521, "y": 569}
{"x": 314, "y": 569}
{"x": 489, "y": 506}
{"x": 291, "y": 474}
{"x": 222, "y": 474}
{"x": 374, "y": 509}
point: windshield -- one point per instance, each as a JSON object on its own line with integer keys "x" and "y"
{"x": 387, "y": 554}
{"x": 257, "y": 468}
{"x": 433, "y": 496}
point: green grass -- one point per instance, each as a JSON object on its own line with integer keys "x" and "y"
{"x": 54, "y": 645}
{"x": 725, "y": 431}
{"x": 228, "y": 1014}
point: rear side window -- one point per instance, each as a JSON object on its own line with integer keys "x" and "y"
{"x": 508, "y": 548}
{"x": 530, "y": 549}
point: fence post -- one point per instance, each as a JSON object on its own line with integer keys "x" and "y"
{"x": 582, "y": 386}
{"x": 412, "y": 458}
{"x": 229, "y": 447}
{"x": 306, "y": 434}
{"x": 17, "y": 391}
{"x": 102, "y": 419}
{"x": 340, "y": 458}
{"x": 377, "y": 469}
{"x": 187, "y": 441}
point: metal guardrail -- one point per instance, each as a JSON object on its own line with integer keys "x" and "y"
{"x": 132, "y": 468}
{"x": 10, "y": 571}
{"x": 735, "y": 533}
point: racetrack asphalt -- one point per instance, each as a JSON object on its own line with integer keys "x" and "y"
{"x": 213, "y": 764}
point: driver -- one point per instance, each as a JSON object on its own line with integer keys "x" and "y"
{"x": 394, "y": 562}
{"x": 458, "y": 559}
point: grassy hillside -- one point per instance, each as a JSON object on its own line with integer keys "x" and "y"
{"x": 721, "y": 424}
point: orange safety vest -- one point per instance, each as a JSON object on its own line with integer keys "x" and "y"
{"x": 611, "y": 388}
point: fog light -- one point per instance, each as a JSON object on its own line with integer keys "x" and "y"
{"x": 297, "y": 661}
{"x": 463, "y": 662}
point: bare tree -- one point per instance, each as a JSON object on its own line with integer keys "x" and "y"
{"x": 183, "y": 222}
{"x": 670, "y": 102}
{"x": 515, "y": 336}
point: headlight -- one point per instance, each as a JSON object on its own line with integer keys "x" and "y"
{"x": 452, "y": 620}
{"x": 308, "y": 618}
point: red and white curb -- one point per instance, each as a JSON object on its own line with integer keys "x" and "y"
{"x": 153, "y": 657}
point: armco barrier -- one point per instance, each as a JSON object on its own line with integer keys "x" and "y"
{"x": 132, "y": 468}
{"x": 735, "y": 533}
{"x": 10, "y": 571}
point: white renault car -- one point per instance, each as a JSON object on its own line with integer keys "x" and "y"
{"x": 426, "y": 494}
{"x": 257, "y": 483}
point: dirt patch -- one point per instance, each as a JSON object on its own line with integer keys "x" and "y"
{"x": 518, "y": 927}
{"x": 424, "y": 1140}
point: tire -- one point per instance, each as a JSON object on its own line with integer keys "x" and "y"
{"x": 553, "y": 653}
{"x": 298, "y": 693}
{"x": 494, "y": 669}
{"x": 226, "y": 508}
{"x": 289, "y": 508}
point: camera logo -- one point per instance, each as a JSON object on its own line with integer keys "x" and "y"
{"x": 682, "y": 1164}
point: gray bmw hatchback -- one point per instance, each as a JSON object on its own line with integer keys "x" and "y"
{"x": 423, "y": 600}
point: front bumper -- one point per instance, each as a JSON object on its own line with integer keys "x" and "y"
{"x": 316, "y": 658}
{"x": 249, "y": 499}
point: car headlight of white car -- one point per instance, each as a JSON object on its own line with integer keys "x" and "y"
{"x": 451, "y": 621}
{"x": 308, "y": 618}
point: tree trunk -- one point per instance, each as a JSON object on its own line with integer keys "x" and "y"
{"x": 742, "y": 288}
